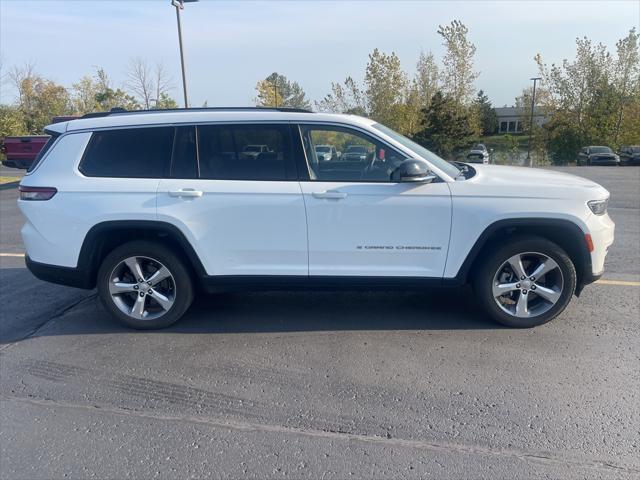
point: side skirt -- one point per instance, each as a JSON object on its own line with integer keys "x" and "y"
{"x": 235, "y": 283}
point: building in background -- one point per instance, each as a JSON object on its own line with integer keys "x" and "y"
{"x": 510, "y": 119}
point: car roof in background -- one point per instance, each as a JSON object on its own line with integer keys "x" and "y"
{"x": 200, "y": 115}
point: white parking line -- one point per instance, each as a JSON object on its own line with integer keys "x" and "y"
{"x": 19, "y": 255}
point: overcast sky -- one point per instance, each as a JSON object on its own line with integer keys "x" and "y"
{"x": 231, "y": 45}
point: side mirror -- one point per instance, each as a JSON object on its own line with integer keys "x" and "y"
{"x": 412, "y": 170}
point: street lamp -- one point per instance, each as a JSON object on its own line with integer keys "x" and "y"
{"x": 533, "y": 105}
{"x": 179, "y": 4}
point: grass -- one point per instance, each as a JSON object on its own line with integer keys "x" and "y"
{"x": 4, "y": 180}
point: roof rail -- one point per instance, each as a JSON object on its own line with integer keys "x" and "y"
{"x": 122, "y": 111}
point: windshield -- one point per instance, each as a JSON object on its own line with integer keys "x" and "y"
{"x": 419, "y": 150}
{"x": 600, "y": 150}
{"x": 323, "y": 149}
{"x": 634, "y": 149}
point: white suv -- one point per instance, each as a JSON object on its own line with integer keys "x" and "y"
{"x": 147, "y": 205}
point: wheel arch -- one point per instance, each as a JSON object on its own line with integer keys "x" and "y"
{"x": 103, "y": 237}
{"x": 565, "y": 233}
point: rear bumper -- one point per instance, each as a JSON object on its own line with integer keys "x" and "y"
{"x": 69, "y": 276}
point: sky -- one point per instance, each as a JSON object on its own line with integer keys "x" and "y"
{"x": 230, "y": 45}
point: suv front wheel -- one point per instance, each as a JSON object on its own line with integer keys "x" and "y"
{"x": 526, "y": 282}
{"x": 144, "y": 285}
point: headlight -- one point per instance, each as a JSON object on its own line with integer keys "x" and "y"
{"x": 617, "y": 158}
{"x": 599, "y": 207}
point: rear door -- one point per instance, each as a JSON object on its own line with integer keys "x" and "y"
{"x": 243, "y": 213}
{"x": 360, "y": 223}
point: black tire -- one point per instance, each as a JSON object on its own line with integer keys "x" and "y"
{"x": 486, "y": 271}
{"x": 180, "y": 280}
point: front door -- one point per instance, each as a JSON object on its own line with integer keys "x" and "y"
{"x": 239, "y": 204}
{"x": 360, "y": 223}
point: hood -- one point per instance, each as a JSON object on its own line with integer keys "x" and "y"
{"x": 503, "y": 181}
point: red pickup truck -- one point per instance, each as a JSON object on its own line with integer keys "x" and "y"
{"x": 20, "y": 152}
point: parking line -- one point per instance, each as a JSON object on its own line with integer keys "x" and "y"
{"x": 12, "y": 255}
{"x": 619, "y": 282}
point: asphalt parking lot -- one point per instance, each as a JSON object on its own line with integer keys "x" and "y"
{"x": 323, "y": 385}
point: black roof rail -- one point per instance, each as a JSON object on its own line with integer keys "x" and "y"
{"x": 122, "y": 111}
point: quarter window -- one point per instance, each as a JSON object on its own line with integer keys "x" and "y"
{"x": 336, "y": 154}
{"x": 245, "y": 152}
{"x": 132, "y": 152}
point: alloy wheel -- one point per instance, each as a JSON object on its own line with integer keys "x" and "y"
{"x": 142, "y": 288}
{"x": 528, "y": 284}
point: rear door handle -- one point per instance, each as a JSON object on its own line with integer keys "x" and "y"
{"x": 332, "y": 194}
{"x": 186, "y": 192}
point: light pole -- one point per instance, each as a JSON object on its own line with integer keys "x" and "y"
{"x": 179, "y": 4}
{"x": 533, "y": 106}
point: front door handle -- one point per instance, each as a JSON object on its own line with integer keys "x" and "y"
{"x": 186, "y": 192}
{"x": 332, "y": 194}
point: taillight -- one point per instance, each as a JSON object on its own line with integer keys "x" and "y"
{"x": 36, "y": 193}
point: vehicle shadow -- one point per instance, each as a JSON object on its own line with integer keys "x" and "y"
{"x": 255, "y": 312}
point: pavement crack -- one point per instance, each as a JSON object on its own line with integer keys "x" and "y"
{"x": 56, "y": 315}
{"x": 434, "y": 446}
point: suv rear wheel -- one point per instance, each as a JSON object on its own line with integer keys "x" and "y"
{"x": 144, "y": 285}
{"x": 526, "y": 282}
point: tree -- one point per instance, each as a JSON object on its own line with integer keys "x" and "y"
{"x": 150, "y": 86}
{"x": 386, "y": 90}
{"x": 11, "y": 121}
{"x": 39, "y": 99}
{"x": 446, "y": 127}
{"x": 344, "y": 98}
{"x": 107, "y": 97}
{"x": 588, "y": 98}
{"x": 486, "y": 114}
{"x": 626, "y": 76}
{"x": 83, "y": 96}
{"x": 277, "y": 91}
{"x": 426, "y": 79}
{"x": 457, "y": 74}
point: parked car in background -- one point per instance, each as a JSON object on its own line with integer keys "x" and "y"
{"x": 20, "y": 152}
{"x": 254, "y": 150}
{"x": 597, "y": 155}
{"x": 326, "y": 153}
{"x": 629, "y": 155}
{"x": 355, "y": 153}
{"x": 478, "y": 154}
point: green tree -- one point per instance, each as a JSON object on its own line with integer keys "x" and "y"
{"x": 83, "y": 96}
{"x": 627, "y": 83}
{"x": 386, "y": 90}
{"x": 107, "y": 97}
{"x": 486, "y": 113}
{"x": 346, "y": 97}
{"x": 426, "y": 78}
{"x": 39, "y": 99}
{"x": 277, "y": 91}
{"x": 590, "y": 97}
{"x": 457, "y": 74}
{"x": 11, "y": 121}
{"x": 446, "y": 127}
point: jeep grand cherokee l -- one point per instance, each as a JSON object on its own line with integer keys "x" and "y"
{"x": 147, "y": 205}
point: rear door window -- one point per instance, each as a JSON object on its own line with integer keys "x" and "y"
{"x": 245, "y": 152}
{"x": 130, "y": 152}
